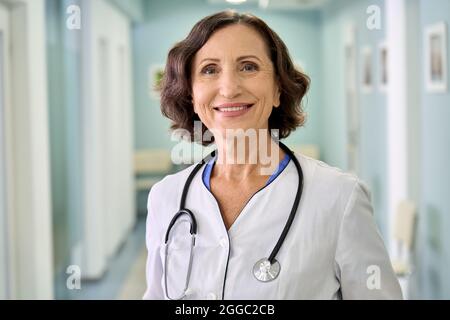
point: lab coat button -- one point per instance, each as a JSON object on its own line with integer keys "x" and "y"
{"x": 223, "y": 242}
{"x": 211, "y": 296}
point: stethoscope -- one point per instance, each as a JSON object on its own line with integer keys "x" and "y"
{"x": 265, "y": 269}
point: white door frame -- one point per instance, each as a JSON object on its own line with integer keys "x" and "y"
{"x": 5, "y": 239}
{"x": 403, "y": 107}
{"x": 27, "y": 151}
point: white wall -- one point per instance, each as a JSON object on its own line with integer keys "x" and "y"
{"x": 28, "y": 178}
{"x": 109, "y": 211}
{"x": 4, "y": 94}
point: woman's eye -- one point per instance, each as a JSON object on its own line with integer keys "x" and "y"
{"x": 249, "y": 67}
{"x": 209, "y": 70}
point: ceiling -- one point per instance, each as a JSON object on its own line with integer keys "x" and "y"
{"x": 279, "y": 4}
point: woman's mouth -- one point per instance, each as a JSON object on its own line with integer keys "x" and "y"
{"x": 233, "y": 109}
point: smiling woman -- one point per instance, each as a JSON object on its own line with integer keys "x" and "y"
{"x": 246, "y": 44}
{"x": 220, "y": 76}
{"x": 247, "y": 234}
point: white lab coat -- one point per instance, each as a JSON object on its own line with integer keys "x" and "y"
{"x": 332, "y": 251}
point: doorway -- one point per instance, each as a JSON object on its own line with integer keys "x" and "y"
{"x": 4, "y": 97}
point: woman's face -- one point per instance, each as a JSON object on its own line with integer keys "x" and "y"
{"x": 233, "y": 80}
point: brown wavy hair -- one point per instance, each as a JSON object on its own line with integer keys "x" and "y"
{"x": 176, "y": 84}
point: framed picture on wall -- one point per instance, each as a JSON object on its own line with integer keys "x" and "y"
{"x": 383, "y": 66}
{"x": 367, "y": 78}
{"x": 154, "y": 79}
{"x": 436, "y": 70}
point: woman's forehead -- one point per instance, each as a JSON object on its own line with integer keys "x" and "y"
{"x": 235, "y": 41}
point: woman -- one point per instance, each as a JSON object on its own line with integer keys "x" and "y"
{"x": 260, "y": 222}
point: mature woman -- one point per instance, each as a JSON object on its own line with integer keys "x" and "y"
{"x": 254, "y": 220}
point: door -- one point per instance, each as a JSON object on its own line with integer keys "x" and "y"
{"x": 108, "y": 145}
{"x": 4, "y": 96}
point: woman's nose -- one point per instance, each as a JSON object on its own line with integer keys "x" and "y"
{"x": 230, "y": 84}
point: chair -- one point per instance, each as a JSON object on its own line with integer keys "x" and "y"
{"x": 150, "y": 166}
{"x": 404, "y": 226}
{"x": 309, "y": 150}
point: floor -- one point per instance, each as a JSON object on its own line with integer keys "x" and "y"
{"x": 125, "y": 279}
{"x": 134, "y": 285}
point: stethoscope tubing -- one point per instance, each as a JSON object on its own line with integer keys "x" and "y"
{"x": 193, "y": 222}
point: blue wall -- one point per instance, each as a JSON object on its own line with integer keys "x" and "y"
{"x": 433, "y": 256}
{"x": 170, "y": 21}
{"x": 373, "y": 161}
{"x": 432, "y": 243}
{"x": 133, "y": 9}
{"x": 64, "y": 92}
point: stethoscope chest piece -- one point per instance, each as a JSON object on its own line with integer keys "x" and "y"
{"x": 265, "y": 271}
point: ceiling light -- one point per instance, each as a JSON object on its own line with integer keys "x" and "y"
{"x": 236, "y": 1}
{"x": 263, "y": 4}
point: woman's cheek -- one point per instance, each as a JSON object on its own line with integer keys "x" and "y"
{"x": 202, "y": 112}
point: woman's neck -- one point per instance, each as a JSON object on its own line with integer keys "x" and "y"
{"x": 243, "y": 157}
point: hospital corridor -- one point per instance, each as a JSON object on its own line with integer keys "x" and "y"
{"x": 83, "y": 140}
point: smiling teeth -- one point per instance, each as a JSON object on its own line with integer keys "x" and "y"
{"x": 232, "y": 109}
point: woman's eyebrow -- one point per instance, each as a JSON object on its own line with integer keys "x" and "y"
{"x": 249, "y": 56}
{"x": 209, "y": 59}
{"x": 238, "y": 59}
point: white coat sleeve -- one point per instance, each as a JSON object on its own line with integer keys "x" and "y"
{"x": 362, "y": 263}
{"x": 154, "y": 269}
